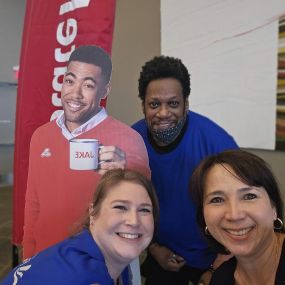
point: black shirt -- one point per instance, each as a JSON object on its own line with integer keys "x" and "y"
{"x": 224, "y": 275}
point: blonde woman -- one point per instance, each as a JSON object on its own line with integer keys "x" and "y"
{"x": 120, "y": 225}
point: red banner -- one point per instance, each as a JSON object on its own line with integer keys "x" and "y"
{"x": 52, "y": 30}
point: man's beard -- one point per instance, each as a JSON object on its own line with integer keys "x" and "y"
{"x": 167, "y": 136}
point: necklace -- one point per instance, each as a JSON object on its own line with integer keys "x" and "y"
{"x": 269, "y": 281}
{"x": 271, "y": 262}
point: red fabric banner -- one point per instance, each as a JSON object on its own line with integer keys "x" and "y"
{"x": 52, "y": 30}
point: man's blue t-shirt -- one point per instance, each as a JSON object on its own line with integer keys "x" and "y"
{"x": 171, "y": 171}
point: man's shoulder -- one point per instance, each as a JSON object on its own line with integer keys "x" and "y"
{"x": 45, "y": 128}
{"x": 115, "y": 124}
{"x": 204, "y": 123}
{"x": 208, "y": 130}
{"x": 111, "y": 121}
{"x": 201, "y": 119}
{"x": 140, "y": 126}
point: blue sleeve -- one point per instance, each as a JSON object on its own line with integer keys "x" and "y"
{"x": 15, "y": 276}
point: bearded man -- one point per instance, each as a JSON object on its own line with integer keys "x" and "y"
{"x": 176, "y": 140}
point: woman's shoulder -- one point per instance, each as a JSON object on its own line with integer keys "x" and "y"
{"x": 224, "y": 275}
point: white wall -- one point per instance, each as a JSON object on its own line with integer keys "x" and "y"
{"x": 11, "y": 22}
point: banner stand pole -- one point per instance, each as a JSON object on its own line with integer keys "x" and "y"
{"x": 15, "y": 256}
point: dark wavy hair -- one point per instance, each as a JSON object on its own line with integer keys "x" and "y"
{"x": 248, "y": 168}
{"x": 164, "y": 67}
{"x": 93, "y": 55}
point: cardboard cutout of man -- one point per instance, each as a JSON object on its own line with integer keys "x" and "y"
{"x": 57, "y": 196}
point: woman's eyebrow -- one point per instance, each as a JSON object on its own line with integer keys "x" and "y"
{"x": 215, "y": 192}
{"x": 249, "y": 188}
{"x": 128, "y": 202}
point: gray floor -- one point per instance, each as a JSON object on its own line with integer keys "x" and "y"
{"x": 5, "y": 230}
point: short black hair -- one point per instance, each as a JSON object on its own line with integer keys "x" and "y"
{"x": 164, "y": 67}
{"x": 93, "y": 55}
{"x": 249, "y": 168}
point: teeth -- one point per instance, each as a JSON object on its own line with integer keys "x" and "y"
{"x": 129, "y": 236}
{"x": 74, "y": 105}
{"x": 239, "y": 232}
{"x": 164, "y": 125}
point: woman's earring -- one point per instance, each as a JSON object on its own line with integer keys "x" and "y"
{"x": 207, "y": 233}
{"x": 278, "y": 224}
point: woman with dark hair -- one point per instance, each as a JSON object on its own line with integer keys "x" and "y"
{"x": 120, "y": 225}
{"x": 240, "y": 211}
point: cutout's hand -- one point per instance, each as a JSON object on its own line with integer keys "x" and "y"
{"x": 111, "y": 157}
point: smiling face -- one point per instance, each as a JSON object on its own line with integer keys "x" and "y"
{"x": 83, "y": 87}
{"x": 124, "y": 226}
{"x": 237, "y": 215}
{"x": 164, "y": 105}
